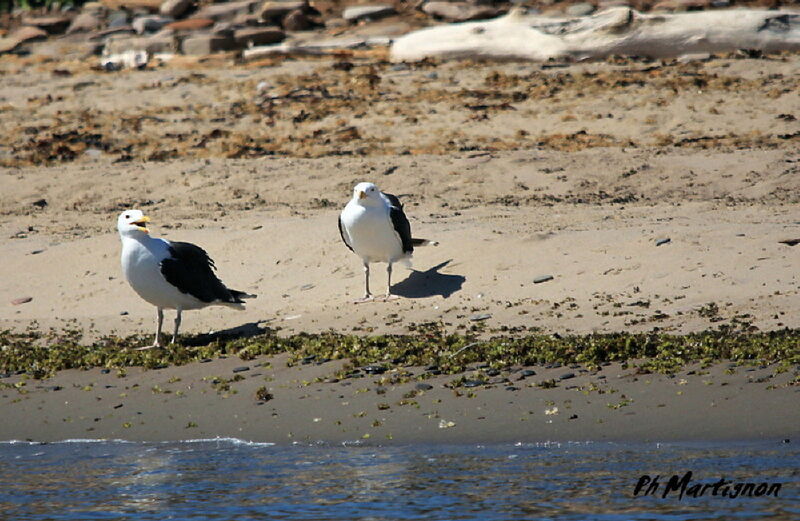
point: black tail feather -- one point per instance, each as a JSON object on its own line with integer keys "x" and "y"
{"x": 239, "y": 296}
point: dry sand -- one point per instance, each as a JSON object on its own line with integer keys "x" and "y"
{"x": 517, "y": 170}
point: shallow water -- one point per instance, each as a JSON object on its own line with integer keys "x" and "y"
{"x": 230, "y": 479}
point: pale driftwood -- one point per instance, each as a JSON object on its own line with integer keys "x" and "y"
{"x": 313, "y": 48}
{"x": 615, "y": 31}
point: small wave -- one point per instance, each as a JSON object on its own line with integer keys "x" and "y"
{"x": 70, "y": 440}
{"x": 232, "y": 441}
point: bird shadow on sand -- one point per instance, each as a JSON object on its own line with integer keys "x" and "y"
{"x": 421, "y": 284}
{"x": 247, "y": 330}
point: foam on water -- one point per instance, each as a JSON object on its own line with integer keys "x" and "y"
{"x": 232, "y": 441}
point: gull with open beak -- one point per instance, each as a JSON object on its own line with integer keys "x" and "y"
{"x": 375, "y": 228}
{"x": 170, "y": 275}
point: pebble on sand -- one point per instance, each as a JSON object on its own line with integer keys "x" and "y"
{"x": 542, "y": 278}
{"x": 21, "y": 300}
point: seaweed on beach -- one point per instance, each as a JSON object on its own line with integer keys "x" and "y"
{"x": 40, "y": 354}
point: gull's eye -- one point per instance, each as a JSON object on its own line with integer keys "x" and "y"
{"x": 127, "y": 216}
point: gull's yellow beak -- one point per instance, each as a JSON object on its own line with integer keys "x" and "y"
{"x": 362, "y": 195}
{"x": 141, "y": 224}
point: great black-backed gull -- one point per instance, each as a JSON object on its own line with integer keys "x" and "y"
{"x": 375, "y": 228}
{"x": 170, "y": 275}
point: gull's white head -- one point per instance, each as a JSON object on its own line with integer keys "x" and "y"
{"x": 132, "y": 222}
{"x": 367, "y": 194}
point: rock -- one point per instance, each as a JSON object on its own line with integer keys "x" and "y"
{"x": 660, "y": 242}
{"x": 156, "y": 44}
{"x": 224, "y": 11}
{"x": 695, "y": 57}
{"x": 8, "y": 45}
{"x": 150, "y": 24}
{"x": 459, "y": 11}
{"x": 130, "y": 59}
{"x": 174, "y": 8}
{"x": 790, "y": 242}
{"x": 21, "y": 300}
{"x": 374, "y": 369}
{"x": 423, "y": 387}
{"x": 207, "y": 44}
{"x": 480, "y": 317}
{"x": 160, "y": 44}
{"x": 297, "y": 20}
{"x": 566, "y": 376}
{"x": 118, "y": 19}
{"x": 368, "y": 12}
{"x": 241, "y": 369}
{"x": 542, "y": 278}
{"x": 261, "y": 36}
{"x": 102, "y": 35}
{"x": 274, "y": 11}
{"x": 472, "y": 383}
{"x": 92, "y": 7}
{"x": 28, "y": 33}
{"x": 680, "y": 5}
{"x": 84, "y": 23}
{"x": 247, "y": 19}
{"x": 222, "y": 29}
{"x": 51, "y": 24}
{"x": 190, "y": 24}
{"x": 336, "y": 23}
{"x": 149, "y": 5}
{"x": 581, "y": 9}
{"x": 607, "y": 4}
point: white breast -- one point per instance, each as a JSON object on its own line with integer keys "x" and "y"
{"x": 371, "y": 233}
{"x": 141, "y": 265}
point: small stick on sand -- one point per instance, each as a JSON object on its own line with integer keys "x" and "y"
{"x": 463, "y": 348}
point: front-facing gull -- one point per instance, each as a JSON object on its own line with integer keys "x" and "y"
{"x": 375, "y": 228}
{"x": 170, "y": 275}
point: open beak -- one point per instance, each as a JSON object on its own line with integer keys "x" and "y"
{"x": 141, "y": 224}
{"x": 362, "y": 195}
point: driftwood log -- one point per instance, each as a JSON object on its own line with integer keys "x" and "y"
{"x": 615, "y": 31}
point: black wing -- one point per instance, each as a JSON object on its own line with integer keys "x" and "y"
{"x": 400, "y": 222}
{"x": 342, "y": 232}
{"x": 191, "y": 270}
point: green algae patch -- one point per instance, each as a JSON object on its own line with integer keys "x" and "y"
{"x": 40, "y": 354}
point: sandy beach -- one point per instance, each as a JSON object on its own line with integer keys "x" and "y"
{"x": 655, "y": 194}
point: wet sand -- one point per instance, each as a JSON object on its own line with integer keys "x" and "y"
{"x": 207, "y": 400}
